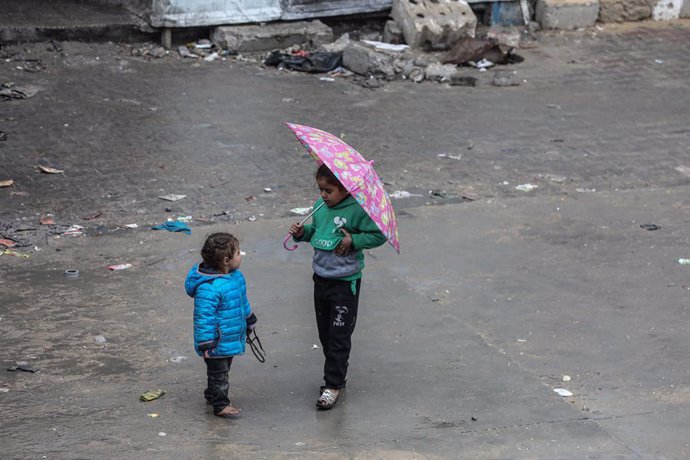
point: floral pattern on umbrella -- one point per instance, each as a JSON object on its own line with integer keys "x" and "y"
{"x": 355, "y": 173}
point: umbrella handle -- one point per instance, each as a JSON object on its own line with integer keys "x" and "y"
{"x": 285, "y": 243}
{"x": 303, "y": 221}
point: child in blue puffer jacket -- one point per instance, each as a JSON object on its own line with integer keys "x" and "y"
{"x": 222, "y": 315}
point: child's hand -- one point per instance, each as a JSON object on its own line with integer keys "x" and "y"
{"x": 206, "y": 354}
{"x": 345, "y": 245}
{"x": 297, "y": 230}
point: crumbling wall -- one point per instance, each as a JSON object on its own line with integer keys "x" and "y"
{"x": 625, "y": 10}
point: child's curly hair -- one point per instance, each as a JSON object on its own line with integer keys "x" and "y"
{"x": 218, "y": 246}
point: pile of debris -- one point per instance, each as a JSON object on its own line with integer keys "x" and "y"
{"x": 425, "y": 40}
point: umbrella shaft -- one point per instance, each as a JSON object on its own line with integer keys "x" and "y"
{"x": 312, "y": 213}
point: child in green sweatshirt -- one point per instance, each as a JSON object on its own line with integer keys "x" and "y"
{"x": 339, "y": 232}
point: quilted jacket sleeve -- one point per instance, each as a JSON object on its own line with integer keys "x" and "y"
{"x": 206, "y": 302}
{"x": 368, "y": 235}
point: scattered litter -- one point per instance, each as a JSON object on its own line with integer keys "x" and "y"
{"x": 300, "y": 211}
{"x": 300, "y": 443}
{"x": 555, "y": 178}
{"x": 3, "y": 136}
{"x": 340, "y": 72}
{"x": 474, "y": 419}
{"x": 185, "y": 219}
{"x": 203, "y": 44}
{"x": 553, "y": 106}
{"x": 48, "y": 219}
{"x": 10, "y": 252}
{"x": 267, "y": 189}
{"x": 684, "y": 261}
{"x": 151, "y": 395}
{"x": 71, "y": 273}
{"x": 162, "y": 433}
{"x": 386, "y": 46}
{"x": 684, "y": 170}
{"x": 650, "y": 227}
{"x": 93, "y": 216}
{"x": 483, "y": 64}
{"x": 520, "y": 340}
{"x": 172, "y": 197}
{"x": 132, "y": 225}
{"x": 119, "y": 267}
{"x": 288, "y": 100}
{"x": 6, "y": 183}
{"x": 585, "y": 190}
{"x": 23, "y": 367}
{"x": 49, "y": 170}
{"x": 251, "y": 218}
{"x": 403, "y": 194}
{"x": 4, "y": 390}
{"x": 153, "y": 415}
{"x": 174, "y": 227}
{"x": 327, "y": 79}
{"x": 177, "y": 359}
{"x": 212, "y": 57}
{"x": 526, "y": 187}
{"x": 566, "y": 378}
{"x": 562, "y": 392}
{"x": 315, "y": 347}
{"x": 99, "y": 339}
{"x": 7, "y": 243}
{"x": 319, "y": 62}
{"x": 185, "y": 53}
{"x": 451, "y": 156}
{"x": 658, "y": 61}
{"x": 74, "y": 230}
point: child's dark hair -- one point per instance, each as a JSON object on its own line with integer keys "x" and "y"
{"x": 325, "y": 173}
{"x": 218, "y": 246}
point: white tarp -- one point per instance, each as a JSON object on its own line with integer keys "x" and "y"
{"x": 198, "y": 13}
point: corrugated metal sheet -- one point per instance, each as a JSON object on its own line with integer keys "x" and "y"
{"x": 302, "y": 9}
{"x": 197, "y": 13}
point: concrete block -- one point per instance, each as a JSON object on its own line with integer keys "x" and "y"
{"x": 272, "y": 36}
{"x": 426, "y": 23}
{"x": 364, "y": 60}
{"x": 567, "y": 14}
{"x": 685, "y": 9}
{"x": 667, "y": 10}
{"x": 625, "y": 10}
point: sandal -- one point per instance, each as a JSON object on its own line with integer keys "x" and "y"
{"x": 328, "y": 398}
{"x": 228, "y": 412}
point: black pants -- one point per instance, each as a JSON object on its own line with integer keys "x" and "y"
{"x": 336, "y": 314}
{"x": 216, "y": 392}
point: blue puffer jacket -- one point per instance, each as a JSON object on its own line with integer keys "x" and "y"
{"x": 221, "y": 311}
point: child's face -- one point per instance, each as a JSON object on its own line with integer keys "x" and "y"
{"x": 331, "y": 194}
{"x": 232, "y": 263}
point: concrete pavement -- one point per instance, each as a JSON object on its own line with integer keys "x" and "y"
{"x": 461, "y": 341}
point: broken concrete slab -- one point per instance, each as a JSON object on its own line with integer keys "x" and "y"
{"x": 441, "y": 72}
{"x": 567, "y": 14}
{"x": 625, "y": 10}
{"x": 249, "y": 38}
{"x": 667, "y": 10}
{"x": 365, "y": 60}
{"x": 433, "y": 23}
{"x": 392, "y": 33}
{"x": 685, "y": 9}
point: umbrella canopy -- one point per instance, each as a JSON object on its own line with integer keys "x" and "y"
{"x": 355, "y": 173}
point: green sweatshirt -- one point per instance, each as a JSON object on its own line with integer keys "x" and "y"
{"x": 324, "y": 235}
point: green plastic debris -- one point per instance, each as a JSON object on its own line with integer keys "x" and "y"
{"x": 152, "y": 394}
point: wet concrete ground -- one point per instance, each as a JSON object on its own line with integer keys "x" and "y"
{"x": 461, "y": 339}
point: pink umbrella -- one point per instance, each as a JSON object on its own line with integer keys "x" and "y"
{"x": 355, "y": 173}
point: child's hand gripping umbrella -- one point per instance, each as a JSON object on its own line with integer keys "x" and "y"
{"x": 355, "y": 173}
{"x": 302, "y": 222}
